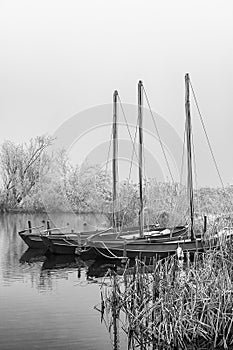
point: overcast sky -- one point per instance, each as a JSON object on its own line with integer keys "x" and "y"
{"x": 61, "y": 57}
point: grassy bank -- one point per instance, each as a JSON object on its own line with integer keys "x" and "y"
{"x": 34, "y": 179}
{"x": 174, "y": 304}
{"x": 165, "y": 204}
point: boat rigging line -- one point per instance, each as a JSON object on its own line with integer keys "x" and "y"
{"x": 205, "y": 131}
{"x": 157, "y": 131}
{"x": 109, "y": 148}
{"x": 195, "y": 175}
{"x": 127, "y": 125}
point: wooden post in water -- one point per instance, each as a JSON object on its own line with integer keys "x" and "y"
{"x": 114, "y": 160}
{"x": 205, "y": 224}
{"x": 189, "y": 155}
{"x": 125, "y": 249}
{"x": 29, "y": 226}
{"x": 140, "y": 159}
{"x": 48, "y": 227}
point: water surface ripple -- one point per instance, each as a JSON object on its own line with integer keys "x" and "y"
{"x": 46, "y": 302}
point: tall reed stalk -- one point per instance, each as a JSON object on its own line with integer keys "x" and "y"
{"x": 173, "y": 304}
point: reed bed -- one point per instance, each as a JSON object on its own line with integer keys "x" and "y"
{"x": 173, "y": 303}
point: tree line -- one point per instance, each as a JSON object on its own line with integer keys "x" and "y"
{"x": 34, "y": 179}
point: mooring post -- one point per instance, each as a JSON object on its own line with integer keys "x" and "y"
{"x": 124, "y": 258}
{"x": 125, "y": 250}
{"x": 48, "y": 227}
{"x": 29, "y": 226}
{"x": 205, "y": 224}
{"x": 79, "y": 239}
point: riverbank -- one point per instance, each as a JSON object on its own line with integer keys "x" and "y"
{"x": 40, "y": 211}
{"x": 166, "y": 204}
{"x": 174, "y": 304}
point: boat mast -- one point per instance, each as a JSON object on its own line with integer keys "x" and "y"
{"x": 189, "y": 154}
{"x": 140, "y": 116}
{"x": 114, "y": 158}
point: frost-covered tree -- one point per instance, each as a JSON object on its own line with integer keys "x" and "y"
{"x": 21, "y": 165}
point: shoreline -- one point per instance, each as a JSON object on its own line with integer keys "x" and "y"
{"x": 27, "y": 211}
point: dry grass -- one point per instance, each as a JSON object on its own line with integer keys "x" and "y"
{"x": 175, "y": 304}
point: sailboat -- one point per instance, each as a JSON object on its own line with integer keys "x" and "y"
{"x": 73, "y": 244}
{"x": 148, "y": 243}
{"x": 35, "y": 237}
{"x": 67, "y": 244}
{"x": 152, "y": 230}
{"x": 139, "y": 238}
{"x": 32, "y": 237}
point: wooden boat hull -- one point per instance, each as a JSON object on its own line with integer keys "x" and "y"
{"x": 38, "y": 240}
{"x": 68, "y": 244}
{"x": 61, "y": 245}
{"x": 154, "y": 234}
{"x": 146, "y": 249}
{"x": 62, "y": 249}
{"x": 33, "y": 240}
{"x": 157, "y": 241}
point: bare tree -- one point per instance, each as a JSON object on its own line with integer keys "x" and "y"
{"x": 20, "y": 166}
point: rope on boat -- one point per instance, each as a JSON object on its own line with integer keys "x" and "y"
{"x": 32, "y": 228}
{"x": 54, "y": 229}
{"x": 109, "y": 257}
{"x": 104, "y": 255}
{"x": 72, "y": 244}
{"x": 84, "y": 249}
{"x": 108, "y": 249}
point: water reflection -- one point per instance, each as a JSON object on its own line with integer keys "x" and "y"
{"x": 13, "y": 249}
{"x": 46, "y": 300}
{"x": 100, "y": 267}
{"x": 56, "y": 262}
{"x": 53, "y": 266}
{"x": 33, "y": 255}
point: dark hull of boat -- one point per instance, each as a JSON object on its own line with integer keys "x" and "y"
{"x": 63, "y": 249}
{"x": 68, "y": 244}
{"x": 33, "y": 241}
{"x": 39, "y": 241}
{"x": 147, "y": 250}
{"x": 60, "y": 245}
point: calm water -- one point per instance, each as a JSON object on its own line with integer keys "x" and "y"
{"x": 47, "y": 302}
